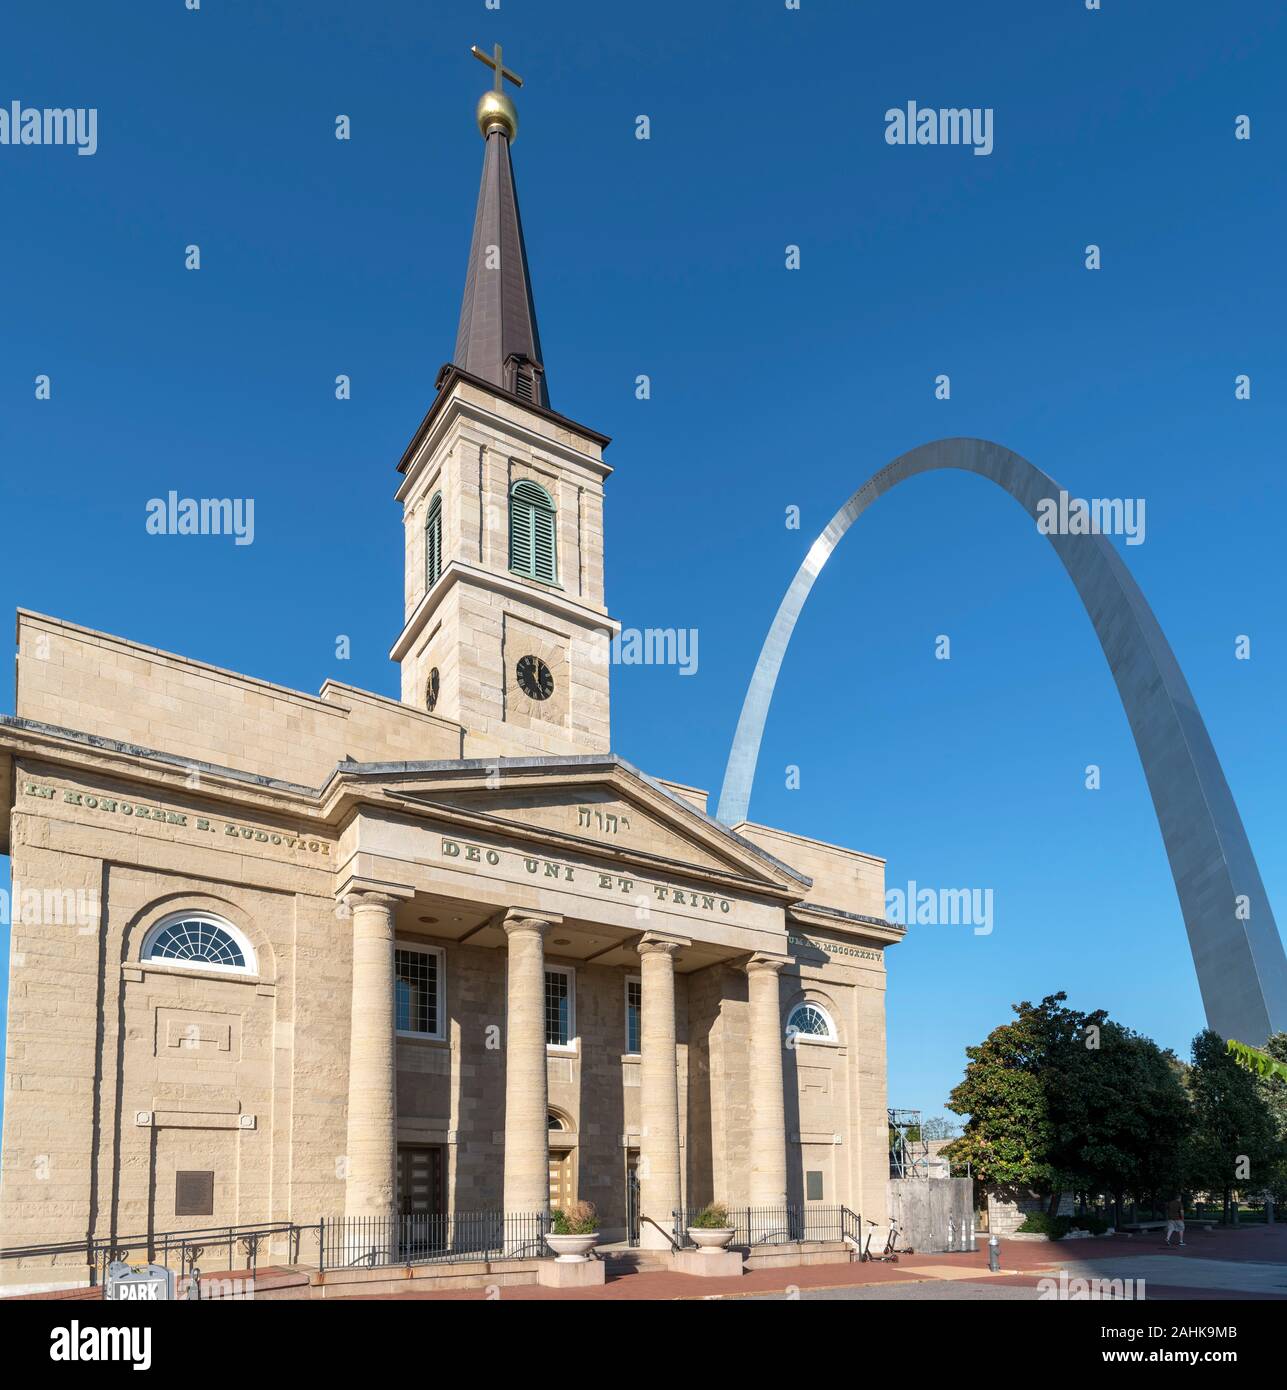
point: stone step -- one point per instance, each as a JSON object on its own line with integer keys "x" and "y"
{"x": 635, "y": 1261}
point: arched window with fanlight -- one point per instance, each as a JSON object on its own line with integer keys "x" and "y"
{"x": 433, "y": 542}
{"x": 532, "y": 544}
{"x": 811, "y": 1023}
{"x": 199, "y": 941}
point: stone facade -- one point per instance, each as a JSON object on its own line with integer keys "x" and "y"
{"x": 279, "y": 957}
{"x": 122, "y": 1072}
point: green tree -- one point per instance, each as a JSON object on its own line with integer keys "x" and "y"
{"x": 1119, "y": 1113}
{"x": 1273, "y": 1092}
{"x": 1009, "y": 1137}
{"x": 1234, "y": 1142}
{"x": 1061, "y": 1100}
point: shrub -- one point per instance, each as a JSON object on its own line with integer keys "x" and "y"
{"x": 713, "y": 1217}
{"x": 1040, "y": 1223}
{"x": 580, "y": 1219}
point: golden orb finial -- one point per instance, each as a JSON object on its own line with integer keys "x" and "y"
{"x": 495, "y": 110}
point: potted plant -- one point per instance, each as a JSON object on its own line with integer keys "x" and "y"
{"x": 573, "y": 1233}
{"x": 711, "y": 1231}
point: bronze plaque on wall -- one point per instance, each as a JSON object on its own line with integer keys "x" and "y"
{"x": 194, "y": 1194}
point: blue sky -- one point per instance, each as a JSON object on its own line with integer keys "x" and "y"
{"x": 770, "y": 388}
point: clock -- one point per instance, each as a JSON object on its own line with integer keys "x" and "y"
{"x": 431, "y": 690}
{"x": 534, "y": 678}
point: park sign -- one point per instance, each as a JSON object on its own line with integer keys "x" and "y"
{"x": 138, "y": 1284}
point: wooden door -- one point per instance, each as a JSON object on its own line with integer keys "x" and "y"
{"x": 562, "y": 1178}
{"x": 420, "y": 1181}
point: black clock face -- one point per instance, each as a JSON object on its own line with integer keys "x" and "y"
{"x": 431, "y": 690}
{"x": 534, "y": 678}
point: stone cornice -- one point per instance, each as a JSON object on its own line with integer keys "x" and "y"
{"x": 537, "y": 595}
{"x": 451, "y": 377}
{"x": 855, "y": 926}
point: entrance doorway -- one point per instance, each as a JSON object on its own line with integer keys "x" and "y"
{"x": 421, "y": 1185}
{"x": 562, "y": 1178}
{"x": 421, "y": 1199}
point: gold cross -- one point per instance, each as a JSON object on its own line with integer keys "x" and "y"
{"x": 494, "y": 61}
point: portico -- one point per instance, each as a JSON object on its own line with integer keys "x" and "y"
{"x": 620, "y": 896}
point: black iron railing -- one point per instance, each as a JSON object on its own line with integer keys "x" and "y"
{"x": 372, "y": 1242}
{"x": 796, "y": 1221}
{"x": 242, "y": 1246}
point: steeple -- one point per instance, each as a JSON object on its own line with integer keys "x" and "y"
{"x": 498, "y": 340}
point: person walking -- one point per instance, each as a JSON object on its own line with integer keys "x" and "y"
{"x": 1174, "y": 1219}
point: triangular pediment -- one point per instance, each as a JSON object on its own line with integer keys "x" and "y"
{"x": 605, "y": 810}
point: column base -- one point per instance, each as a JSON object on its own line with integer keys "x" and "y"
{"x": 650, "y": 1238}
{"x": 571, "y": 1274}
{"x": 719, "y": 1264}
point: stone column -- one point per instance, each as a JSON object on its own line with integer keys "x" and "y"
{"x": 372, "y": 1134}
{"x": 659, "y": 1172}
{"x": 768, "y": 1181}
{"x": 527, "y": 1135}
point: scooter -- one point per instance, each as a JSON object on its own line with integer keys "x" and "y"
{"x": 891, "y": 1251}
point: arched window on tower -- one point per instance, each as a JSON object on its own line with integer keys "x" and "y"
{"x": 532, "y": 548}
{"x": 433, "y": 542}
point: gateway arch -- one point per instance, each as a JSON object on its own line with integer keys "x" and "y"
{"x": 1241, "y": 968}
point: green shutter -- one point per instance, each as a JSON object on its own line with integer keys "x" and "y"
{"x": 543, "y": 566}
{"x": 532, "y": 549}
{"x": 433, "y": 542}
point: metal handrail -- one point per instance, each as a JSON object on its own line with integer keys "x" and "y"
{"x": 190, "y": 1244}
{"x": 670, "y": 1240}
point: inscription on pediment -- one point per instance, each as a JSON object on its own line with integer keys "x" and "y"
{"x": 589, "y": 814}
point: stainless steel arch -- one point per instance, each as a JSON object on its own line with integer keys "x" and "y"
{"x": 1241, "y": 967}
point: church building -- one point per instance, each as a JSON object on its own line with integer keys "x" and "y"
{"x": 278, "y": 956}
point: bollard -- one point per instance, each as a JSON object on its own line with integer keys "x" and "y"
{"x": 194, "y": 1284}
{"x": 994, "y": 1255}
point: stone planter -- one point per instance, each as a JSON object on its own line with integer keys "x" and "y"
{"x": 570, "y": 1250}
{"x": 710, "y": 1240}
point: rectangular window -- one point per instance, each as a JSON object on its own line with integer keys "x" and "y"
{"x": 418, "y": 991}
{"x": 813, "y": 1186}
{"x": 560, "y": 1007}
{"x": 634, "y": 1012}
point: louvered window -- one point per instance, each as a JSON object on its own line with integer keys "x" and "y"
{"x": 433, "y": 542}
{"x": 531, "y": 532}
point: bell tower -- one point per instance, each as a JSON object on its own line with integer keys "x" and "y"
{"x": 505, "y": 629}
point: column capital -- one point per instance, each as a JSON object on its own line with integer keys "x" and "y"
{"x": 655, "y": 943}
{"x": 525, "y": 919}
{"x": 365, "y": 899}
{"x": 359, "y": 891}
{"x": 762, "y": 961}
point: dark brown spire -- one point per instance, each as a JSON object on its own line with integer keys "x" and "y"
{"x": 498, "y": 339}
